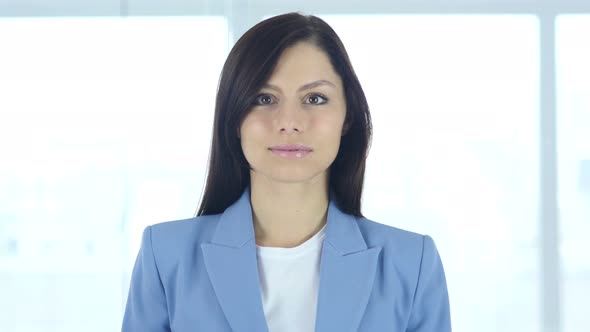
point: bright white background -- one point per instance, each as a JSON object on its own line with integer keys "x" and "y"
{"x": 105, "y": 125}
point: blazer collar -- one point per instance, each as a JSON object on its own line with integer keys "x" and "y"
{"x": 236, "y": 227}
{"x": 347, "y": 271}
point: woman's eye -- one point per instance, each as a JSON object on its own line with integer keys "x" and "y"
{"x": 316, "y": 99}
{"x": 263, "y": 99}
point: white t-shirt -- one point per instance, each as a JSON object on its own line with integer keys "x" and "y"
{"x": 289, "y": 283}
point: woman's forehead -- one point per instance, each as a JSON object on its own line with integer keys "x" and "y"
{"x": 303, "y": 64}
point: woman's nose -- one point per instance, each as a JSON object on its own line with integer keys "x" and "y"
{"x": 290, "y": 119}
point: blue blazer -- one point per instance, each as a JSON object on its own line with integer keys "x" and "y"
{"x": 201, "y": 275}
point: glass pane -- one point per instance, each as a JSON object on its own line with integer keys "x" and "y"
{"x": 105, "y": 126}
{"x": 455, "y": 154}
{"x": 573, "y": 110}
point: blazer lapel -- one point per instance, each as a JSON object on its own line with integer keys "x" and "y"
{"x": 232, "y": 265}
{"x": 347, "y": 271}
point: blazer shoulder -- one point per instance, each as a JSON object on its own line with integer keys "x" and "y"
{"x": 376, "y": 233}
{"x": 179, "y": 235}
{"x": 405, "y": 250}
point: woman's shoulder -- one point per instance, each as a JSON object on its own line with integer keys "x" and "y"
{"x": 402, "y": 246}
{"x": 184, "y": 232}
{"x": 379, "y": 233}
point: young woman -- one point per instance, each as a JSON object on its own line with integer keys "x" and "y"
{"x": 279, "y": 243}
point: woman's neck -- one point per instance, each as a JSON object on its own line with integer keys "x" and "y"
{"x": 287, "y": 214}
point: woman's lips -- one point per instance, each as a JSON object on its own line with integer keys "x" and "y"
{"x": 291, "y": 150}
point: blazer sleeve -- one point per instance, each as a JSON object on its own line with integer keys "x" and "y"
{"x": 146, "y": 309}
{"x": 430, "y": 309}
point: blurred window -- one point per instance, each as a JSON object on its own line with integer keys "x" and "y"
{"x": 105, "y": 126}
{"x": 573, "y": 138}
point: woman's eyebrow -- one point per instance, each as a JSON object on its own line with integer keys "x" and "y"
{"x": 307, "y": 86}
{"x": 315, "y": 84}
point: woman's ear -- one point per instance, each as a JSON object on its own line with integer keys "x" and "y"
{"x": 346, "y": 126}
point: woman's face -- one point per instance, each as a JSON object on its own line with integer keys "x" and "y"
{"x": 292, "y": 132}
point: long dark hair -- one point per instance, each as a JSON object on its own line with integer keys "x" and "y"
{"x": 248, "y": 66}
